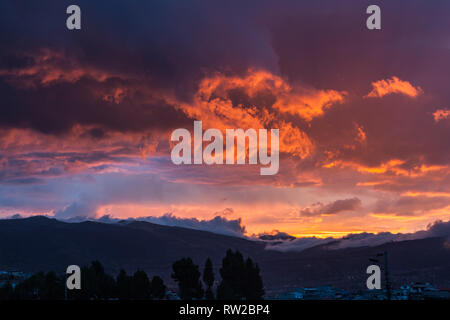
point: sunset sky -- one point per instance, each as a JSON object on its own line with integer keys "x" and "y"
{"x": 364, "y": 115}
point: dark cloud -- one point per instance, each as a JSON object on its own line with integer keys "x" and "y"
{"x": 334, "y": 207}
{"x": 276, "y": 235}
{"x": 224, "y": 212}
{"x": 438, "y": 229}
{"x": 170, "y": 42}
{"x": 410, "y": 205}
{"x": 57, "y": 107}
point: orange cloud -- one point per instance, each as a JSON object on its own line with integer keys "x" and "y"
{"x": 361, "y": 135}
{"x": 441, "y": 114}
{"x": 427, "y": 194}
{"x": 309, "y": 104}
{"x": 395, "y": 167}
{"x": 213, "y": 105}
{"x": 392, "y": 167}
{"x": 382, "y": 88}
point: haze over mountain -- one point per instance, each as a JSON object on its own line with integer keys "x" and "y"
{"x": 40, "y": 243}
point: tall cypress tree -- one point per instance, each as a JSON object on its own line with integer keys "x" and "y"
{"x": 254, "y": 289}
{"x": 208, "y": 279}
{"x": 232, "y": 273}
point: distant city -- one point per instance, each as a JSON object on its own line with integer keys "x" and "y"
{"x": 412, "y": 291}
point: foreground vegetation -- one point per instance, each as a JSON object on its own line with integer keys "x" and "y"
{"x": 240, "y": 279}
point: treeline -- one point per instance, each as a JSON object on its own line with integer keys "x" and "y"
{"x": 96, "y": 284}
{"x": 240, "y": 279}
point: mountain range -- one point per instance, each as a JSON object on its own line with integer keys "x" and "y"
{"x": 44, "y": 244}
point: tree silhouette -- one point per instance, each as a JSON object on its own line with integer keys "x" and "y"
{"x": 232, "y": 273}
{"x": 254, "y": 288}
{"x": 140, "y": 286}
{"x": 123, "y": 285}
{"x": 225, "y": 292}
{"x": 240, "y": 280}
{"x": 186, "y": 273}
{"x": 208, "y": 279}
{"x": 95, "y": 283}
{"x": 157, "y": 288}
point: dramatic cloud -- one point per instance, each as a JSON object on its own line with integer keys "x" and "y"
{"x": 249, "y": 102}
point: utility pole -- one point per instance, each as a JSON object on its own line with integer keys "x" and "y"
{"x": 386, "y": 272}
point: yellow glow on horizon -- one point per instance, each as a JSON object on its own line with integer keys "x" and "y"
{"x": 327, "y": 234}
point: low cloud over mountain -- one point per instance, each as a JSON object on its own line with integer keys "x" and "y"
{"x": 279, "y": 240}
{"x": 217, "y": 224}
{"x": 437, "y": 229}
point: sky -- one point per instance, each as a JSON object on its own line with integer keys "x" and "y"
{"x": 364, "y": 115}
